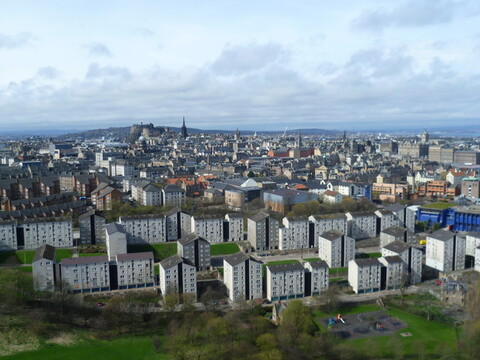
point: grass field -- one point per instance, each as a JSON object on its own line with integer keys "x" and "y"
{"x": 128, "y": 348}
{"x": 369, "y": 255}
{"x": 224, "y": 249}
{"x": 432, "y": 334}
{"x": 438, "y": 205}
{"x": 338, "y": 271}
{"x": 160, "y": 251}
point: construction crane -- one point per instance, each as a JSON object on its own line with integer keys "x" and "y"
{"x": 285, "y": 132}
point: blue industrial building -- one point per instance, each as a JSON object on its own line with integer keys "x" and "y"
{"x": 460, "y": 218}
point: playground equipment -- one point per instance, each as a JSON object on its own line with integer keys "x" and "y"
{"x": 379, "y": 326}
{"x": 339, "y": 318}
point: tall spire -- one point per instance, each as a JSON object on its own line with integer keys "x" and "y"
{"x": 183, "y": 130}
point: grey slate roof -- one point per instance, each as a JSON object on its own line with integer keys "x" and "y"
{"x": 331, "y": 235}
{"x": 235, "y": 259}
{"x": 393, "y": 259}
{"x": 135, "y": 256}
{"x": 318, "y": 264}
{"x": 395, "y": 231}
{"x": 442, "y": 235}
{"x": 84, "y": 260}
{"x": 113, "y": 228}
{"x": 44, "y": 252}
{"x": 397, "y": 246}
{"x": 258, "y": 216}
{"x": 367, "y": 262}
{"x": 174, "y": 260}
{"x": 286, "y": 267}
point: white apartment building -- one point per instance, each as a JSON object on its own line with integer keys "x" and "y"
{"x": 285, "y": 281}
{"x": 142, "y": 229}
{"x": 172, "y": 223}
{"x": 362, "y": 224}
{"x": 395, "y": 233}
{"x": 116, "y": 240}
{"x": 151, "y": 195}
{"x": 394, "y": 275}
{"x": 173, "y": 195}
{"x": 405, "y": 215}
{"x": 472, "y": 242}
{"x": 86, "y": 274}
{"x": 411, "y": 257}
{"x": 477, "y": 259}
{"x": 43, "y": 268}
{"x": 177, "y": 275}
{"x": 242, "y": 276}
{"x": 387, "y": 219}
{"x": 294, "y": 234}
{"x": 445, "y": 251}
{"x": 263, "y": 232}
{"x": 122, "y": 168}
{"x": 316, "y": 277}
{"x": 336, "y": 249}
{"x": 135, "y": 270}
{"x": 234, "y": 226}
{"x": 92, "y": 228}
{"x": 324, "y": 223}
{"x": 185, "y": 224}
{"x": 8, "y": 235}
{"x": 33, "y": 233}
{"x": 364, "y": 275}
{"x": 208, "y": 227}
{"x": 196, "y": 249}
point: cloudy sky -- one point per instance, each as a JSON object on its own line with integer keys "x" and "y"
{"x": 251, "y": 64}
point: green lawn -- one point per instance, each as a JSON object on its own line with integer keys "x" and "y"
{"x": 160, "y": 251}
{"x": 224, "y": 249}
{"x": 63, "y": 254}
{"x": 128, "y": 348}
{"x": 348, "y": 310}
{"x": 91, "y": 254}
{"x": 431, "y": 334}
{"x": 338, "y": 271}
{"x": 25, "y": 256}
{"x": 279, "y": 262}
{"x": 438, "y": 205}
{"x": 312, "y": 259}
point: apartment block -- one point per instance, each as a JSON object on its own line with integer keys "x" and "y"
{"x": 173, "y": 224}
{"x": 336, "y": 249}
{"x": 324, "y": 223}
{"x": 92, "y": 228}
{"x": 86, "y": 274}
{"x": 393, "y": 273}
{"x": 385, "y": 219}
{"x": 43, "y": 268}
{"x": 8, "y": 235}
{"x": 362, "y": 224}
{"x": 33, "y": 233}
{"x": 196, "y": 249}
{"x": 116, "y": 240}
{"x": 177, "y": 275}
{"x": 364, "y": 275}
{"x": 396, "y": 233}
{"x": 445, "y": 251}
{"x": 208, "y": 227}
{"x": 316, "y": 277}
{"x": 294, "y": 234}
{"x": 173, "y": 195}
{"x": 411, "y": 257}
{"x": 142, "y": 229}
{"x": 233, "y": 229}
{"x": 285, "y": 281}
{"x": 242, "y": 276}
{"x": 472, "y": 241}
{"x": 477, "y": 259}
{"x": 135, "y": 270}
{"x": 263, "y": 232}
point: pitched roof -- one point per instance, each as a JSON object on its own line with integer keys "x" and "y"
{"x": 85, "y": 260}
{"x": 397, "y": 246}
{"x": 135, "y": 256}
{"x": 235, "y": 259}
{"x": 44, "y": 252}
{"x": 286, "y": 267}
{"x": 442, "y": 235}
{"x": 394, "y": 231}
{"x": 113, "y": 228}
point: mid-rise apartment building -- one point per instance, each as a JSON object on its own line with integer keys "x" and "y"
{"x": 177, "y": 275}
{"x": 336, "y": 249}
{"x": 327, "y": 222}
{"x": 445, "y": 251}
{"x": 116, "y": 240}
{"x": 364, "y": 275}
{"x": 263, "y": 232}
{"x": 135, "y": 270}
{"x": 411, "y": 257}
{"x": 362, "y": 224}
{"x": 316, "y": 277}
{"x": 142, "y": 229}
{"x": 8, "y": 235}
{"x": 233, "y": 230}
{"x": 209, "y": 228}
{"x": 242, "y": 276}
{"x": 196, "y": 249}
{"x": 43, "y": 268}
{"x": 86, "y": 274}
{"x": 92, "y": 228}
{"x": 294, "y": 234}
{"x": 33, "y": 233}
{"x": 285, "y": 281}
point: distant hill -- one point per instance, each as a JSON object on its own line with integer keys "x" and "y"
{"x": 122, "y": 132}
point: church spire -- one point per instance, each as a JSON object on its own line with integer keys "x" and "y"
{"x": 183, "y": 130}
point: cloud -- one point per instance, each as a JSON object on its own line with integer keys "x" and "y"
{"x": 48, "y": 72}
{"x": 143, "y": 31}
{"x": 241, "y": 59}
{"x": 16, "y": 41}
{"x": 97, "y": 49}
{"x": 415, "y": 13}
{"x": 374, "y": 88}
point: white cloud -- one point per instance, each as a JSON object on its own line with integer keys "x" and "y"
{"x": 15, "y": 41}
{"x": 97, "y": 49}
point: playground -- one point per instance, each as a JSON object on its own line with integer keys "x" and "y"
{"x": 363, "y": 325}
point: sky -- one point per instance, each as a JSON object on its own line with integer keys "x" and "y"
{"x": 250, "y": 64}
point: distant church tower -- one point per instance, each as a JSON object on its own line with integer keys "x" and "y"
{"x": 425, "y": 137}
{"x": 183, "y": 130}
{"x": 299, "y": 140}
{"x": 237, "y": 135}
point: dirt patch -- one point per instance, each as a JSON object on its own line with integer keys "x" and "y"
{"x": 62, "y": 339}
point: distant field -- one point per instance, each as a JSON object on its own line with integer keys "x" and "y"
{"x": 128, "y": 348}
{"x": 438, "y": 205}
{"x": 160, "y": 251}
{"x": 224, "y": 249}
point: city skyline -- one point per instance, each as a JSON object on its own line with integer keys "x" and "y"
{"x": 255, "y": 66}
